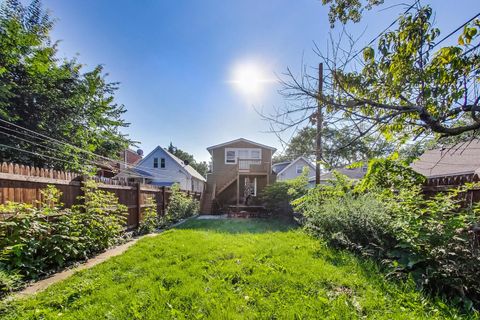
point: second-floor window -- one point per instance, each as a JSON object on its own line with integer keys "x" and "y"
{"x": 232, "y": 154}
{"x": 162, "y": 163}
{"x": 299, "y": 169}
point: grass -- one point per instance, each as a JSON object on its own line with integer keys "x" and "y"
{"x": 229, "y": 269}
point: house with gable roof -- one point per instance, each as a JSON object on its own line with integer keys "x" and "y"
{"x": 291, "y": 169}
{"x": 162, "y": 168}
{"x": 240, "y": 169}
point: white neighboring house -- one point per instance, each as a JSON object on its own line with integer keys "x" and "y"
{"x": 352, "y": 173}
{"x": 161, "y": 168}
{"x": 292, "y": 169}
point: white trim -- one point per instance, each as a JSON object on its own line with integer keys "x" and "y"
{"x": 175, "y": 159}
{"x": 299, "y": 167}
{"x": 240, "y": 140}
{"x": 237, "y": 152}
{"x": 294, "y": 161}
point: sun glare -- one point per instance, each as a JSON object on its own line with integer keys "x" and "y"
{"x": 249, "y": 79}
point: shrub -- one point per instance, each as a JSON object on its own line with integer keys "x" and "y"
{"x": 180, "y": 205}
{"x": 436, "y": 242}
{"x": 35, "y": 241}
{"x": 278, "y": 196}
{"x": 356, "y": 222}
{"x": 150, "y": 220}
{"x": 431, "y": 239}
{"x": 103, "y": 217}
{"x": 9, "y": 281}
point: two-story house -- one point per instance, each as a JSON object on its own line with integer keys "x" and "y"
{"x": 240, "y": 169}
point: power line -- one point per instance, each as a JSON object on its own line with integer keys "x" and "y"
{"x": 454, "y": 31}
{"x": 59, "y": 142}
{"x": 150, "y": 171}
{"x": 385, "y": 30}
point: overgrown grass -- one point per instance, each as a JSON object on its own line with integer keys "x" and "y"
{"x": 230, "y": 269}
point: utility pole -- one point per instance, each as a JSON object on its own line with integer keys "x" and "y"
{"x": 319, "y": 124}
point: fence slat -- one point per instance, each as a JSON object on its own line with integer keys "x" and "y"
{"x": 20, "y": 183}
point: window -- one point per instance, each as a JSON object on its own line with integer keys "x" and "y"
{"x": 230, "y": 156}
{"x": 255, "y": 154}
{"x": 155, "y": 162}
{"x": 162, "y": 163}
{"x": 243, "y": 154}
{"x": 299, "y": 169}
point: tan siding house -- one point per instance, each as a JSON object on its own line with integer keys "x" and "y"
{"x": 240, "y": 170}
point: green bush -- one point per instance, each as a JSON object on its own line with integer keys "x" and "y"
{"x": 150, "y": 219}
{"x": 356, "y": 222}
{"x": 278, "y": 196}
{"x": 436, "y": 242}
{"x": 9, "y": 281}
{"x": 386, "y": 216}
{"x": 34, "y": 241}
{"x": 180, "y": 205}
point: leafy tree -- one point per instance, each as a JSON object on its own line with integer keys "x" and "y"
{"x": 348, "y": 10}
{"x": 404, "y": 85}
{"x": 340, "y": 146}
{"x": 52, "y": 96}
{"x": 201, "y": 167}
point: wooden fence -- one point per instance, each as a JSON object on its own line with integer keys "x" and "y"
{"x": 445, "y": 183}
{"x": 20, "y": 183}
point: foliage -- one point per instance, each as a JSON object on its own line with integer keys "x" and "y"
{"x": 180, "y": 205}
{"x": 415, "y": 90}
{"x": 9, "y": 281}
{"x": 387, "y": 216}
{"x": 389, "y": 175}
{"x": 102, "y": 215}
{"x": 277, "y": 196}
{"x": 37, "y": 240}
{"x": 436, "y": 244}
{"x": 348, "y": 10}
{"x": 52, "y": 96}
{"x": 356, "y": 222}
{"x": 201, "y": 167}
{"x": 338, "y": 149}
{"x": 262, "y": 274}
{"x": 150, "y": 219}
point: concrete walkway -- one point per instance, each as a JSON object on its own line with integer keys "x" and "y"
{"x": 212, "y": 216}
{"x": 57, "y": 277}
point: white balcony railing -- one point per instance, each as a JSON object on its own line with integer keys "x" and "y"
{"x": 252, "y": 165}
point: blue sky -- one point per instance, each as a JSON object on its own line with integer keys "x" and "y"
{"x": 174, "y": 59}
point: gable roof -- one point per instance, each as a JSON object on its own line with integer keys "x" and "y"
{"x": 458, "y": 159}
{"x": 279, "y": 166}
{"x": 240, "y": 140}
{"x": 189, "y": 169}
{"x": 194, "y": 173}
{"x": 295, "y": 161}
{"x": 352, "y": 173}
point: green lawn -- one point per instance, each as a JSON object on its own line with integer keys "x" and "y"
{"x": 229, "y": 269}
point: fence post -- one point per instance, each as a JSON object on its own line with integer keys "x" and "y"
{"x": 163, "y": 200}
{"x": 139, "y": 204}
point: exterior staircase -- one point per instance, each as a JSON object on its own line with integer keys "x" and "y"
{"x": 207, "y": 203}
{"x": 227, "y": 184}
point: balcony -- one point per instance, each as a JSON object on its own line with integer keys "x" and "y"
{"x": 253, "y": 166}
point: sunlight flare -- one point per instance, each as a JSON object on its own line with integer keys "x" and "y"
{"x": 249, "y": 78}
